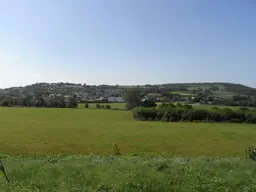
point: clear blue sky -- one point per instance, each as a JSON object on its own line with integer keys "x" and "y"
{"x": 127, "y": 41}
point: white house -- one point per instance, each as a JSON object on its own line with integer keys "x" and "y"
{"x": 115, "y": 99}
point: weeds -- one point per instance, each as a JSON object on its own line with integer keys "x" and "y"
{"x": 116, "y": 150}
{"x": 251, "y": 153}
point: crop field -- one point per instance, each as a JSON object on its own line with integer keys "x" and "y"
{"x": 94, "y": 173}
{"x": 35, "y": 131}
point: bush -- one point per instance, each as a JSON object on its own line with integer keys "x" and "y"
{"x": 148, "y": 103}
{"x": 200, "y": 115}
{"x": 144, "y": 113}
{"x": 86, "y": 105}
{"x": 98, "y": 106}
{"x": 108, "y": 107}
{"x": 5, "y": 103}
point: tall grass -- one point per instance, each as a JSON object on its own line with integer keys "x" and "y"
{"x": 94, "y": 173}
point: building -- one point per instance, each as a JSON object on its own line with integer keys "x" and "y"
{"x": 115, "y": 99}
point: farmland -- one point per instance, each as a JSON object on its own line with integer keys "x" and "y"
{"x": 53, "y": 149}
{"x": 32, "y": 131}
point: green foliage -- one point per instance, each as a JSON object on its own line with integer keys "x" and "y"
{"x": 72, "y": 103}
{"x": 86, "y": 105}
{"x": 179, "y": 112}
{"x": 108, "y": 106}
{"x": 149, "y": 103}
{"x": 5, "y": 103}
{"x": 98, "y": 106}
{"x": 132, "y": 98}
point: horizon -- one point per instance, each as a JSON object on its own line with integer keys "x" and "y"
{"x": 122, "y": 85}
{"x": 127, "y": 42}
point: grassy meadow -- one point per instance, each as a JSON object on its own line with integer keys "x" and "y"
{"x": 45, "y": 131}
{"x": 95, "y": 174}
{"x": 51, "y": 149}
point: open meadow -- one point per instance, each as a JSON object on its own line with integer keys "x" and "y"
{"x": 48, "y": 131}
{"x": 47, "y": 149}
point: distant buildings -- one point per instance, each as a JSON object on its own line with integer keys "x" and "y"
{"x": 115, "y": 99}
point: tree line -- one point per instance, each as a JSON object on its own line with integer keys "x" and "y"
{"x": 39, "y": 101}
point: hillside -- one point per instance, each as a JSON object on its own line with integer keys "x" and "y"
{"x": 205, "y": 93}
{"x": 221, "y": 87}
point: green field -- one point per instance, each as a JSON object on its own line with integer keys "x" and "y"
{"x": 35, "y": 131}
{"x": 95, "y": 174}
{"x": 55, "y": 150}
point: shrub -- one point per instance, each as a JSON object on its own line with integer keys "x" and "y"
{"x": 108, "y": 107}
{"x": 86, "y": 105}
{"x": 98, "y": 106}
{"x": 199, "y": 115}
{"x": 148, "y": 103}
{"x": 145, "y": 113}
{"x": 5, "y": 103}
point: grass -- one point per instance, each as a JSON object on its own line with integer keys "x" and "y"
{"x": 40, "y": 132}
{"x": 93, "y": 173}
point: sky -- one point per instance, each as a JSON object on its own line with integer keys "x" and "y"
{"x": 127, "y": 42}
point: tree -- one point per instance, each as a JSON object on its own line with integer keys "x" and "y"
{"x": 5, "y": 103}
{"x": 132, "y": 98}
{"x": 60, "y": 102}
{"x": 28, "y": 101}
{"x": 40, "y": 101}
{"x": 72, "y": 103}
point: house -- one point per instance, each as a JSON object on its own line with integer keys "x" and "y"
{"x": 115, "y": 99}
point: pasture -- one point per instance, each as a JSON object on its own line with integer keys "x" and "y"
{"x": 49, "y": 131}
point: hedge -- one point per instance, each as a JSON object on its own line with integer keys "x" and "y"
{"x": 172, "y": 113}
